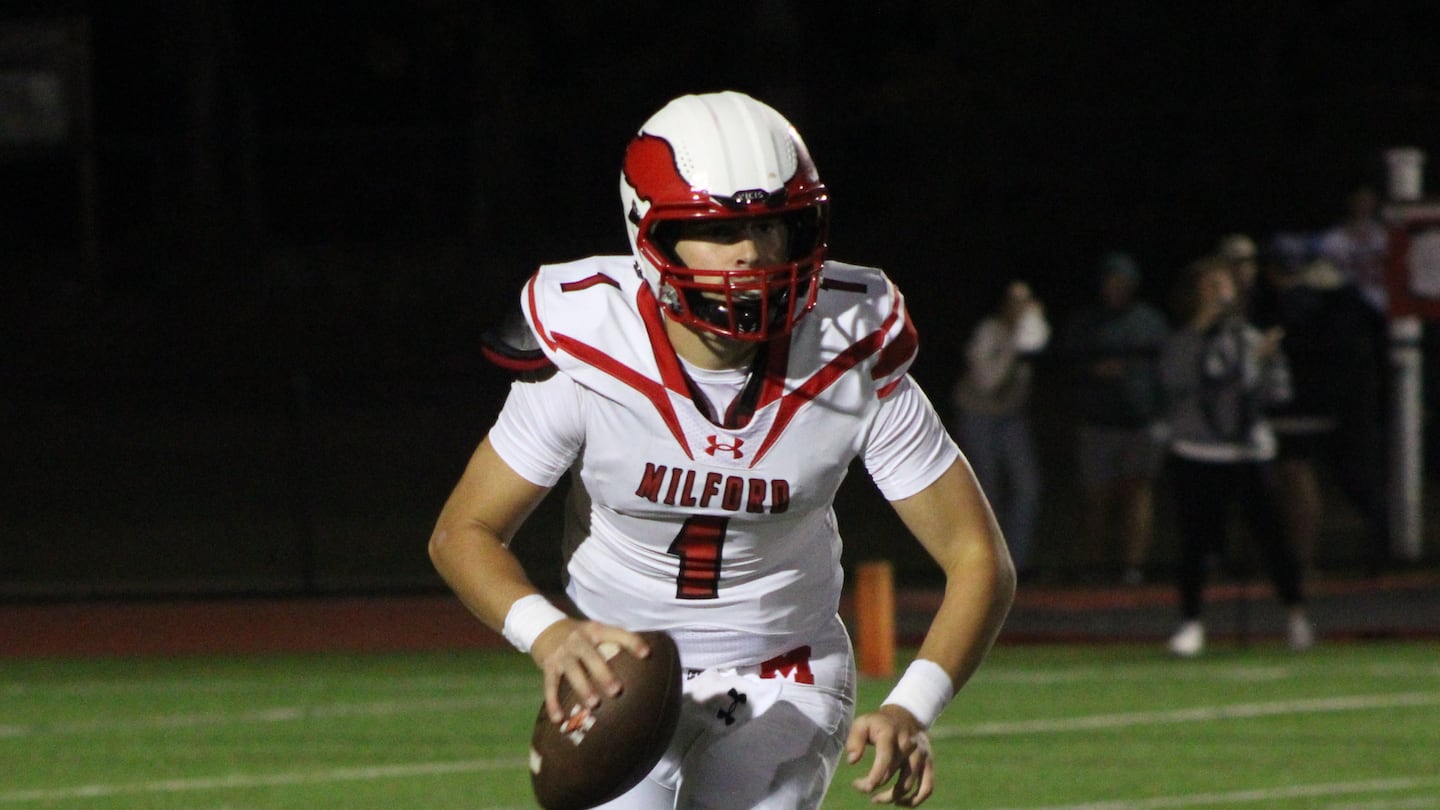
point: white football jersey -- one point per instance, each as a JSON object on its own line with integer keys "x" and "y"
{"x": 719, "y": 529}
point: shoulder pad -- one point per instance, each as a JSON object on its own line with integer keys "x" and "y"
{"x": 511, "y": 345}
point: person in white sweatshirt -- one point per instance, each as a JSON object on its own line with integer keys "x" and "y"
{"x": 993, "y": 426}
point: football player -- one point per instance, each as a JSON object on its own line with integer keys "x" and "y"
{"x": 708, "y": 395}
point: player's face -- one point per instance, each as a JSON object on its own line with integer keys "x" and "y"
{"x": 730, "y": 247}
{"x": 733, "y": 244}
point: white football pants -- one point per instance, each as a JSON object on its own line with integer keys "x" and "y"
{"x": 757, "y": 736}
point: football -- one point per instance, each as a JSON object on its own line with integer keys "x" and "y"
{"x": 594, "y": 755}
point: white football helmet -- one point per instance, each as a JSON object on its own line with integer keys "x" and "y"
{"x": 725, "y": 157}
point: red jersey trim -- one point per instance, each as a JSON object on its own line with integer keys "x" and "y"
{"x": 671, "y": 373}
{"x": 585, "y": 353}
{"x": 900, "y": 351}
{"x": 889, "y": 388}
{"x": 587, "y": 283}
{"x": 647, "y": 387}
{"x": 846, "y": 360}
{"x": 818, "y": 382}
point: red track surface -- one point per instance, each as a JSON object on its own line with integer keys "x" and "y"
{"x": 241, "y": 626}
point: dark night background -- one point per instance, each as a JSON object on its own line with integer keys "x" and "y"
{"x": 258, "y": 370}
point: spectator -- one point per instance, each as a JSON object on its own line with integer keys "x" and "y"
{"x": 1114, "y": 347}
{"x": 1239, "y": 253}
{"x": 1358, "y": 246}
{"x": 1332, "y": 420}
{"x": 992, "y": 400}
{"x": 1219, "y": 373}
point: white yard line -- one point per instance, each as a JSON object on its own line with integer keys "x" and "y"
{"x": 283, "y": 714}
{"x": 242, "y": 781}
{"x": 275, "y": 714}
{"x": 1144, "y": 674}
{"x": 1197, "y": 714}
{"x": 334, "y": 775}
{"x": 225, "y": 685}
{"x": 1415, "y": 803}
{"x": 1332, "y": 789}
{"x": 1191, "y": 671}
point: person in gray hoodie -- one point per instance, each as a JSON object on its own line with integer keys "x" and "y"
{"x": 1219, "y": 373}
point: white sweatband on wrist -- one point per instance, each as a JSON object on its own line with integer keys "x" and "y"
{"x": 923, "y": 691}
{"x": 529, "y": 616}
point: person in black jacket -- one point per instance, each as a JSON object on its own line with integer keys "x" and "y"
{"x": 1112, "y": 349}
{"x": 1333, "y": 421}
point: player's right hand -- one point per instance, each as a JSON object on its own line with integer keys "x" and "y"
{"x": 569, "y": 650}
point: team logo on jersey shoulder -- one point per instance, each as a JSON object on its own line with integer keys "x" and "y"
{"x": 732, "y": 446}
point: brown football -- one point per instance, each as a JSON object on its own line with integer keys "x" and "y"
{"x": 594, "y": 755}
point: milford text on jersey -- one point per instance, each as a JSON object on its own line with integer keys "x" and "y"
{"x": 678, "y": 486}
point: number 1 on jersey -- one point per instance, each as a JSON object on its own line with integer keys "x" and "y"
{"x": 698, "y": 546}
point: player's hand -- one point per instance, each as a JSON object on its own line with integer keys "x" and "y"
{"x": 902, "y": 752}
{"x": 569, "y": 649}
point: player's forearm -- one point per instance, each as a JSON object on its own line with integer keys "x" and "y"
{"x": 484, "y": 574}
{"x": 954, "y": 523}
{"x": 979, "y": 588}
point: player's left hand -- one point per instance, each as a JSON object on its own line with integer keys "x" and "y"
{"x": 902, "y": 752}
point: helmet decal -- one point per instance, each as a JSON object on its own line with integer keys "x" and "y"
{"x": 650, "y": 169}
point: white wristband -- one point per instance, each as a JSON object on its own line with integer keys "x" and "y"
{"x": 923, "y": 691}
{"x": 529, "y": 616}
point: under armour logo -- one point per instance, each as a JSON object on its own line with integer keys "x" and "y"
{"x": 733, "y": 448}
{"x": 728, "y": 714}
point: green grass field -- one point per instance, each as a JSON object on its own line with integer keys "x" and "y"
{"x": 1348, "y": 726}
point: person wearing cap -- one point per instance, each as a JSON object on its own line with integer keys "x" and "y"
{"x": 1113, "y": 348}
